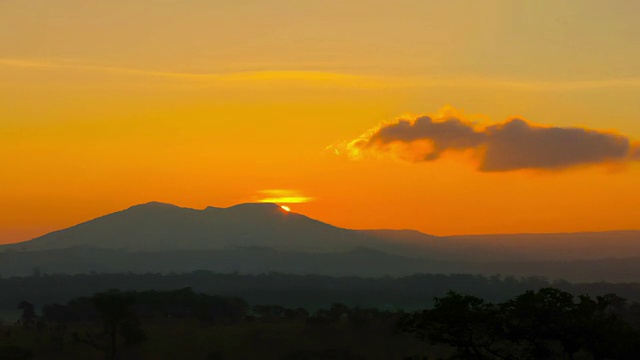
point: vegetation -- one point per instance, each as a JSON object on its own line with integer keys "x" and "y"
{"x": 310, "y": 292}
{"x": 183, "y": 324}
{"x": 543, "y": 324}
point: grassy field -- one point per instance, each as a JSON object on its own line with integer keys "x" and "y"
{"x": 9, "y": 316}
{"x": 273, "y": 340}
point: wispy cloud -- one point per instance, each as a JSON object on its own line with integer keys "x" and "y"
{"x": 522, "y": 84}
{"x": 28, "y": 63}
{"x": 575, "y": 85}
{"x": 515, "y": 144}
{"x": 236, "y": 76}
{"x": 282, "y": 196}
{"x": 327, "y": 76}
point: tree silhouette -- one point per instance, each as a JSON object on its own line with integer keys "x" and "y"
{"x": 541, "y": 320}
{"x": 544, "y": 324}
{"x": 464, "y": 322}
{"x": 120, "y": 325}
{"x": 28, "y": 316}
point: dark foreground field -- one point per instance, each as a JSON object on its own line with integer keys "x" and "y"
{"x": 544, "y": 324}
{"x": 265, "y": 338}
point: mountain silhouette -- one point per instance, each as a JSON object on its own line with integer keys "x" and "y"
{"x": 159, "y": 227}
{"x": 262, "y": 237}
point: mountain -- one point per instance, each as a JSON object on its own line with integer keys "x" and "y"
{"x": 263, "y": 237}
{"x": 161, "y": 227}
{"x": 555, "y": 247}
{"x": 519, "y": 247}
{"x": 156, "y": 227}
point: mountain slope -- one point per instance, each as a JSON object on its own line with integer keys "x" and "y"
{"x": 160, "y": 227}
{"x": 155, "y": 227}
{"x": 560, "y": 246}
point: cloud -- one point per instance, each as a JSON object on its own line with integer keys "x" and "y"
{"x": 517, "y": 144}
{"x": 303, "y": 76}
{"x": 451, "y": 134}
{"x": 282, "y": 196}
{"x": 635, "y": 152}
{"x": 513, "y": 145}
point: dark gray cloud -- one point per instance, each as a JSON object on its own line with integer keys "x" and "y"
{"x": 635, "y": 152}
{"x": 451, "y": 134}
{"x": 519, "y": 145}
{"x": 513, "y": 145}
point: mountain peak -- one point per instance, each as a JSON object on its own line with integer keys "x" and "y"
{"x": 243, "y": 206}
{"x": 154, "y": 205}
{"x": 253, "y": 211}
{"x": 255, "y": 206}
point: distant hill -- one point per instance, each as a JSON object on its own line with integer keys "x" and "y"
{"x": 562, "y": 246}
{"x": 358, "y": 262}
{"x": 164, "y": 227}
{"x": 521, "y": 247}
{"x": 264, "y": 237}
{"x": 160, "y": 227}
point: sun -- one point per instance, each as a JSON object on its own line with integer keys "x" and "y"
{"x": 285, "y": 208}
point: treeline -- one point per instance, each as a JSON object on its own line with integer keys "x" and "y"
{"x": 182, "y": 303}
{"x": 307, "y": 291}
{"x": 544, "y": 324}
{"x": 126, "y": 324}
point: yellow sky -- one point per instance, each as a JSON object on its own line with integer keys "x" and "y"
{"x": 105, "y": 105}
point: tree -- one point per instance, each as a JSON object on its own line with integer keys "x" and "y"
{"x": 604, "y": 334}
{"x": 28, "y": 316}
{"x": 120, "y": 325}
{"x": 544, "y": 324}
{"x": 543, "y": 320}
{"x": 464, "y": 322}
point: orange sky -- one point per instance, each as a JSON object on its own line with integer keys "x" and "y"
{"x": 107, "y": 105}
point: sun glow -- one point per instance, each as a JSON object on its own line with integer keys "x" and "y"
{"x": 279, "y": 196}
{"x": 285, "y": 208}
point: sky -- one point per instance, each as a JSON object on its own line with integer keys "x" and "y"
{"x": 456, "y": 117}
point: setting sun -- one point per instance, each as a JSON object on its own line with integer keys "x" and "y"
{"x": 285, "y": 208}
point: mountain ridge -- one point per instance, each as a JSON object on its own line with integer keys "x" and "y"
{"x": 161, "y": 226}
{"x": 158, "y": 226}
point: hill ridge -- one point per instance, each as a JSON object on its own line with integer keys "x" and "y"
{"x": 158, "y": 226}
